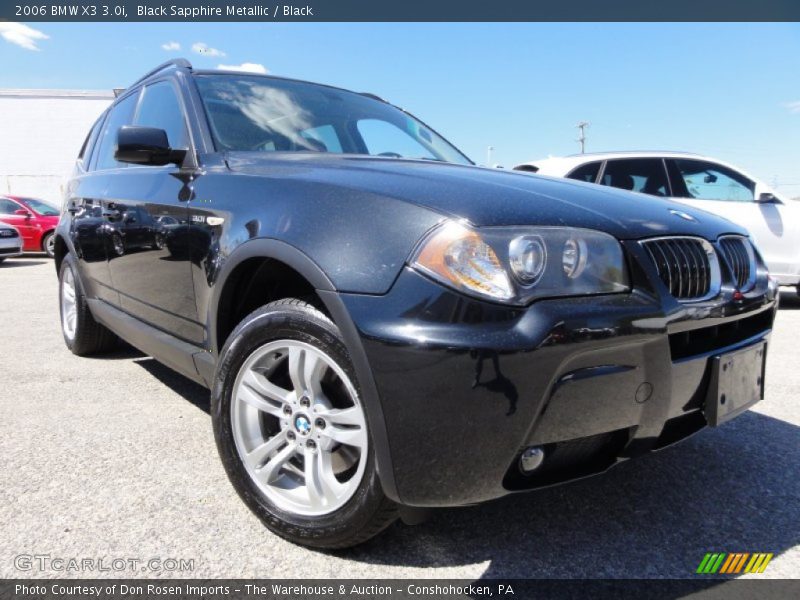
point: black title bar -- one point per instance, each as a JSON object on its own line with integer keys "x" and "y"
{"x": 400, "y": 10}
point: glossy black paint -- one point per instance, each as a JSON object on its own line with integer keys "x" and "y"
{"x": 454, "y": 387}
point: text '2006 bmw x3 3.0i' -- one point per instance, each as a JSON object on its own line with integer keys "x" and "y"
{"x": 383, "y": 325}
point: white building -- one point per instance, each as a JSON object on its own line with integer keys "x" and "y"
{"x": 41, "y": 133}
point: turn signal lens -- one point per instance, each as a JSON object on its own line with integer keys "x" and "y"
{"x": 458, "y": 256}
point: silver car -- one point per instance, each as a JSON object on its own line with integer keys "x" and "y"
{"x": 10, "y": 242}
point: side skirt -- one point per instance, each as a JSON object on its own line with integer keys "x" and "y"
{"x": 165, "y": 348}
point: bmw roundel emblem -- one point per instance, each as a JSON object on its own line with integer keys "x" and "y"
{"x": 683, "y": 215}
{"x": 302, "y": 424}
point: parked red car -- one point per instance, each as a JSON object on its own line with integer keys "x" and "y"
{"x": 34, "y": 219}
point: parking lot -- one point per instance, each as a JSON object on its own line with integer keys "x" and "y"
{"x": 114, "y": 457}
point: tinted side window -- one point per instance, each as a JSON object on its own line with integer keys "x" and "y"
{"x": 121, "y": 114}
{"x": 7, "y": 207}
{"x": 709, "y": 181}
{"x": 646, "y": 175}
{"x": 386, "y": 139}
{"x": 324, "y": 137}
{"x": 160, "y": 108}
{"x": 587, "y": 172}
{"x": 86, "y": 151}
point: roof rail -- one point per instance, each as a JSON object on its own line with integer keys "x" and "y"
{"x": 180, "y": 63}
{"x": 373, "y": 96}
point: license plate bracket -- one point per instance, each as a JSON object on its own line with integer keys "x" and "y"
{"x": 737, "y": 383}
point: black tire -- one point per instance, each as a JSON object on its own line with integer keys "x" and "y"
{"x": 368, "y": 511}
{"x": 90, "y": 336}
{"x": 2, "y": 259}
{"x": 47, "y": 244}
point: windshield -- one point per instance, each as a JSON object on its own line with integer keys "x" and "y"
{"x": 261, "y": 114}
{"x": 40, "y": 207}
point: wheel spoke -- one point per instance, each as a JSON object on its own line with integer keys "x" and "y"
{"x": 306, "y": 370}
{"x": 320, "y": 481}
{"x": 256, "y": 457}
{"x": 264, "y": 387}
{"x": 251, "y": 393}
{"x": 345, "y": 416}
{"x": 350, "y": 436}
{"x": 270, "y": 471}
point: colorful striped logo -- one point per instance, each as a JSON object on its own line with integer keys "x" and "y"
{"x": 733, "y": 563}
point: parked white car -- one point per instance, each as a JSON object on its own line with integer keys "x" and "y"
{"x": 705, "y": 183}
{"x": 10, "y": 242}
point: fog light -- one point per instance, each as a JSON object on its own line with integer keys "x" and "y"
{"x": 531, "y": 459}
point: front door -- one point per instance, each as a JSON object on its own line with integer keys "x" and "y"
{"x": 149, "y": 264}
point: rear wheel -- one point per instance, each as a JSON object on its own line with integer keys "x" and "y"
{"x": 49, "y": 244}
{"x": 82, "y": 334}
{"x": 292, "y": 432}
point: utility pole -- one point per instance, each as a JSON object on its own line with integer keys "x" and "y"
{"x": 489, "y": 150}
{"x": 582, "y": 140}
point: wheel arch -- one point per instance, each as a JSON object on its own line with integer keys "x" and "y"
{"x": 248, "y": 259}
{"x": 60, "y": 251}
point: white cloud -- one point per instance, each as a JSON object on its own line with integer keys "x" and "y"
{"x": 246, "y": 67}
{"x": 206, "y": 50}
{"x": 793, "y": 107}
{"x": 170, "y": 46}
{"x": 22, "y": 35}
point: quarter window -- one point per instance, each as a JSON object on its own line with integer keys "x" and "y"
{"x": 645, "y": 175}
{"x": 88, "y": 145}
{"x": 121, "y": 114}
{"x": 587, "y": 172}
{"x": 709, "y": 181}
{"x": 160, "y": 108}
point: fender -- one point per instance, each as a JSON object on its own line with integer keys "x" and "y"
{"x": 292, "y": 257}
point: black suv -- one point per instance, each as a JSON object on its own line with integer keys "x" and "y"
{"x": 384, "y": 326}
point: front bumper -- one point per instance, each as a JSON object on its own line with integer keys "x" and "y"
{"x": 465, "y": 385}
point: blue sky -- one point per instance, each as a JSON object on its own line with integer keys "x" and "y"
{"x": 728, "y": 90}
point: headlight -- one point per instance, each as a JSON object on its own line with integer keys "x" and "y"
{"x": 518, "y": 264}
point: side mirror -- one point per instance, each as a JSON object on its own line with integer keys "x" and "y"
{"x": 146, "y": 146}
{"x": 23, "y": 213}
{"x": 767, "y": 198}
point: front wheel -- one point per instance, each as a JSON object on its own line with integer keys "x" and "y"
{"x": 292, "y": 432}
{"x": 49, "y": 244}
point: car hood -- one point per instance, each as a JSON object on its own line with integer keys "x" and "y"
{"x": 489, "y": 197}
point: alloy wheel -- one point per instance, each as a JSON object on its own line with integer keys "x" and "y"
{"x": 69, "y": 307}
{"x": 299, "y": 427}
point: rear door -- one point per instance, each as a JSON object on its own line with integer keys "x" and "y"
{"x": 725, "y": 192}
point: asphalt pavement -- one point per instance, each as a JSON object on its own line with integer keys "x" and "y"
{"x": 114, "y": 458}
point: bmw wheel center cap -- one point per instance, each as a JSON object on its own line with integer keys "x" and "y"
{"x": 302, "y": 424}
